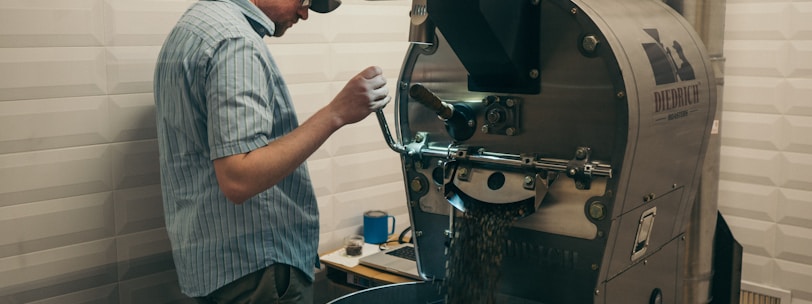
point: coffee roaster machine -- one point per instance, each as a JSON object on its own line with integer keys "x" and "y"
{"x": 595, "y": 114}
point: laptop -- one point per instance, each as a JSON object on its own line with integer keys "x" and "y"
{"x": 399, "y": 259}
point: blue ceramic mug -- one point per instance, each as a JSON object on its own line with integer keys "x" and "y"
{"x": 376, "y": 226}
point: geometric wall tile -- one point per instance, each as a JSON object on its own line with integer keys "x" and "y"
{"x": 750, "y": 130}
{"x": 126, "y": 26}
{"x": 38, "y": 73}
{"x": 772, "y": 20}
{"x": 795, "y": 207}
{"x": 761, "y": 167}
{"x": 51, "y": 23}
{"x": 130, "y": 69}
{"x": 748, "y": 200}
{"x": 757, "y": 237}
{"x": 135, "y": 164}
{"x": 143, "y": 253}
{"x": 754, "y": 94}
{"x": 39, "y": 124}
{"x": 138, "y": 209}
{"x": 796, "y": 170}
{"x": 37, "y": 226}
{"x": 794, "y": 244}
{"x": 51, "y": 174}
{"x": 132, "y": 117}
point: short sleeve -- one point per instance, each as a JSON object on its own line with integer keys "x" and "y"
{"x": 237, "y": 97}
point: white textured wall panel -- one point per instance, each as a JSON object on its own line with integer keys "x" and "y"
{"x": 767, "y": 147}
{"x": 51, "y": 174}
{"x": 792, "y": 243}
{"x": 25, "y": 23}
{"x": 100, "y": 295}
{"x": 798, "y": 97}
{"x": 364, "y": 23}
{"x": 754, "y": 94}
{"x": 756, "y": 131}
{"x": 796, "y": 277}
{"x": 130, "y": 69}
{"x": 801, "y": 20}
{"x": 138, "y": 209}
{"x": 135, "y": 164}
{"x": 757, "y": 268}
{"x": 800, "y": 59}
{"x": 797, "y": 171}
{"x": 362, "y": 170}
{"x": 302, "y": 64}
{"x": 151, "y": 288}
{"x": 764, "y": 58}
{"x": 37, "y": 73}
{"x": 55, "y": 223}
{"x": 141, "y": 22}
{"x": 143, "y": 253}
{"x": 757, "y": 20}
{"x": 28, "y": 125}
{"x": 761, "y": 167}
{"x": 132, "y": 117}
{"x": 349, "y": 58}
{"x": 794, "y": 207}
{"x": 757, "y": 237}
{"x": 82, "y": 259}
{"x": 748, "y": 200}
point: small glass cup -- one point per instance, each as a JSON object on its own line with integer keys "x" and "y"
{"x": 354, "y": 245}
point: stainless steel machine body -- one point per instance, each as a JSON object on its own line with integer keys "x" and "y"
{"x": 595, "y": 114}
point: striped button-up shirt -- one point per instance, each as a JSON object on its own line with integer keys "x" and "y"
{"x": 218, "y": 92}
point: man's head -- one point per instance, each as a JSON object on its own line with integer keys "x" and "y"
{"x": 285, "y": 13}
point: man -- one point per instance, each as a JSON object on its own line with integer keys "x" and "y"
{"x": 240, "y": 209}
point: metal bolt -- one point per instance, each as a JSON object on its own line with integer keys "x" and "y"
{"x": 404, "y": 85}
{"x": 528, "y": 180}
{"x": 494, "y": 116}
{"x": 597, "y": 292}
{"x": 580, "y": 153}
{"x": 535, "y": 2}
{"x": 463, "y": 172}
{"x": 416, "y": 185}
{"x": 621, "y": 94}
{"x": 645, "y": 262}
{"x": 594, "y": 266}
{"x": 600, "y": 234}
{"x": 534, "y": 73}
{"x": 590, "y": 43}
{"x": 418, "y": 233}
{"x": 471, "y": 123}
{"x": 674, "y": 186}
{"x": 510, "y": 102}
{"x": 510, "y": 131}
{"x": 418, "y": 138}
{"x": 597, "y": 210}
{"x": 485, "y": 129}
{"x": 574, "y": 11}
{"x": 572, "y": 171}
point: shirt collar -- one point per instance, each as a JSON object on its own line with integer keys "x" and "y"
{"x": 261, "y": 23}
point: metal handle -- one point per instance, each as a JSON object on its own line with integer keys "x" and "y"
{"x": 387, "y": 135}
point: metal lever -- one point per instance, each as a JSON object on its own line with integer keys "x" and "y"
{"x": 431, "y": 101}
{"x": 459, "y": 119}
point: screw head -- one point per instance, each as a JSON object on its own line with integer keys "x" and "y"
{"x": 590, "y": 43}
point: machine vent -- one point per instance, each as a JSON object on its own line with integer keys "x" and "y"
{"x": 752, "y": 293}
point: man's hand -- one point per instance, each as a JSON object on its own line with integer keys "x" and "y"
{"x": 363, "y": 94}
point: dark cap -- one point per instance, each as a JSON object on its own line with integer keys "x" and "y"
{"x": 324, "y": 6}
